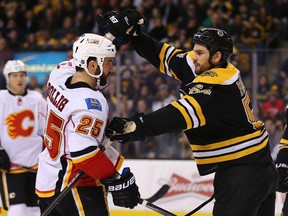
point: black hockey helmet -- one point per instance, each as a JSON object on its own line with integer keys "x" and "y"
{"x": 215, "y": 40}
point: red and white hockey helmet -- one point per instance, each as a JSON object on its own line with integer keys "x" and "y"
{"x": 92, "y": 45}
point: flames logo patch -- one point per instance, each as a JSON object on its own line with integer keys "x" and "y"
{"x": 16, "y": 126}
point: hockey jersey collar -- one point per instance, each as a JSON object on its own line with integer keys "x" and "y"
{"x": 220, "y": 76}
{"x": 76, "y": 85}
{"x": 24, "y": 94}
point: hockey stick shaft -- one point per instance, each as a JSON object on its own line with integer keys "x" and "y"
{"x": 62, "y": 194}
{"x": 200, "y": 206}
{"x": 160, "y": 193}
{"x": 29, "y": 169}
{"x": 155, "y": 208}
{"x": 2, "y": 191}
{"x": 70, "y": 185}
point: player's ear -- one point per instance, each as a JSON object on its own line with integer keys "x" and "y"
{"x": 216, "y": 58}
{"x": 93, "y": 66}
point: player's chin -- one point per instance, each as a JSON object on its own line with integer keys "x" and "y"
{"x": 198, "y": 70}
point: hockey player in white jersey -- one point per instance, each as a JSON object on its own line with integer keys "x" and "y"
{"x": 74, "y": 139}
{"x": 22, "y": 123}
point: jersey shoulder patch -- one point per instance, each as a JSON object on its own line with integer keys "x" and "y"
{"x": 93, "y": 103}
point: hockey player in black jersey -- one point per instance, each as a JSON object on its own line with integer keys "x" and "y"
{"x": 214, "y": 112}
{"x": 282, "y": 165}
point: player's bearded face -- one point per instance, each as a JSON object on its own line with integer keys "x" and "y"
{"x": 108, "y": 65}
{"x": 17, "y": 82}
{"x": 201, "y": 59}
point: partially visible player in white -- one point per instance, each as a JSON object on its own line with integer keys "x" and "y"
{"x": 22, "y": 123}
{"x": 76, "y": 120}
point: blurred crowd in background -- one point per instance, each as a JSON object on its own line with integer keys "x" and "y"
{"x": 45, "y": 25}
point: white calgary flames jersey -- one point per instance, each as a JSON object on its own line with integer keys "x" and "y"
{"x": 76, "y": 121}
{"x": 22, "y": 127}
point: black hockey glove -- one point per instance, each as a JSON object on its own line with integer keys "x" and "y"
{"x": 119, "y": 26}
{"x": 124, "y": 130}
{"x": 4, "y": 160}
{"x": 283, "y": 177}
{"x": 125, "y": 192}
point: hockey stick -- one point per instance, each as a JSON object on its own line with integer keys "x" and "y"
{"x": 155, "y": 208}
{"x": 200, "y": 206}
{"x": 142, "y": 202}
{"x": 62, "y": 194}
{"x": 160, "y": 193}
{"x": 2, "y": 191}
{"x": 29, "y": 169}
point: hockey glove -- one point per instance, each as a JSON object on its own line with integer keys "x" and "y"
{"x": 125, "y": 192}
{"x": 124, "y": 130}
{"x": 4, "y": 160}
{"x": 282, "y": 169}
{"x": 119, "y": 26}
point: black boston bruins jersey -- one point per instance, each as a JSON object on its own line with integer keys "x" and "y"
{"x": 214, "y": 110}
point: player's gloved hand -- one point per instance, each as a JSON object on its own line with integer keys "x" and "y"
{"x": 125, "y": 192}
{"x": 283, "y": 177}
{"x": 119, "y": 26}
{"x": 124, "y": 130}
{"x": 4, "y": 160}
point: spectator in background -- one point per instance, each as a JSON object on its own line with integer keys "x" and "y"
{"x": 34, "y": 85}
{"x": 80, "y": 23}
{"x": 143, "y": 93}
{"x": 166, "y": 143}
{"x": 31, "y": 24}
{"x": 158, "y": 31}
{"x": 50, "y": 20}
{"x": 45, "y": 41}
{"x": 253, "y": 36}
{"x": 235, "y": 27}
{"x": 271, "y": 26}
{"x": 273, "y": 108}
{"x": 282, "y": 74}
{"x": 263, "y": 87}
{"x": 284, "y": 92}
{"x": 67, "y": 41}
{"x": 30, "y": 43}
{"x": 14, "y": 40}
{"x": 170, "y": 12}
{"x": 66, "y": 26}
{"x": 6, "y": 52}
{"x": 275, "y": 131}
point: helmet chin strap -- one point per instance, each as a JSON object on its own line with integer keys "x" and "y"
{"x": 103, "y": 81}
{"x": 98, "y": 76}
